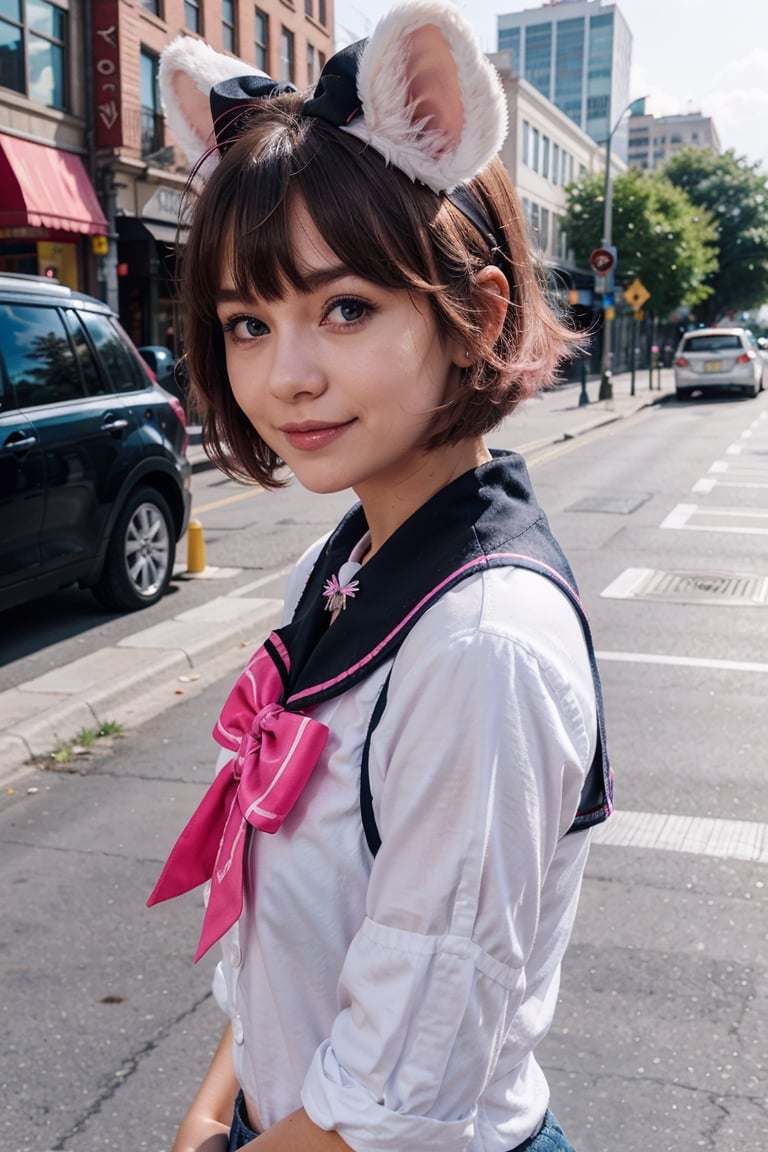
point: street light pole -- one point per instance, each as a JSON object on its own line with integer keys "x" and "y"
{"x": 606, "y": 375}
{"x": 606, "y": 384}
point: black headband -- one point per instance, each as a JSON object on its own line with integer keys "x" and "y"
{"x": 335, "y": 100}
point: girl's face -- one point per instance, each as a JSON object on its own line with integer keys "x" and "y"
{"x": 343, "y": 381}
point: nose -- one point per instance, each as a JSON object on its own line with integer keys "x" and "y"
{"x": 295, "y": 370}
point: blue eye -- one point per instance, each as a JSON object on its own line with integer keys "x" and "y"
{"x": 348, "y": 310}
{"x": 244, "y": 327}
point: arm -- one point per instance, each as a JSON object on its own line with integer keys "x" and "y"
{"x": 205, "y": 1128}
{"x": 297, "y": 1133}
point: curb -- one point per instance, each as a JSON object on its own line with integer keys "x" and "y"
{"x": 48, "y": 712}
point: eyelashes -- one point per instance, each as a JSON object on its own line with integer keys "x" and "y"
{"x": 341, "y": 313}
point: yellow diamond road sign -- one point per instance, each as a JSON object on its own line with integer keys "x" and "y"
{"x": 637, "y": 294}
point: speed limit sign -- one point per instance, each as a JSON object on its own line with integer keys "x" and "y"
{"x": 603, "y": 260}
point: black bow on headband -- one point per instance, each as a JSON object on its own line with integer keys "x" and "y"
{"x": 335, "y": 99}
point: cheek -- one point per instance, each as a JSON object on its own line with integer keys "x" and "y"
{"x": 241, "y": 383}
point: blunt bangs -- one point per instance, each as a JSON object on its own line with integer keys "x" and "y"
{"x": 363, "y": 210}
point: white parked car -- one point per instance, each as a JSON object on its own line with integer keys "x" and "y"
{"x": 713, "y": 358}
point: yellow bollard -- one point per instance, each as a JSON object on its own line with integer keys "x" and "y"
{"x": 195, "y": 547}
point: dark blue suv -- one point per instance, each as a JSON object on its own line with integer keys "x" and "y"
{"x": 94, "y": 479}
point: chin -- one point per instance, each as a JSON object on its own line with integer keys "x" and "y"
{"x": 322, "y": 486}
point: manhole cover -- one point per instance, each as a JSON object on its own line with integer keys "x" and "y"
{"x": 619, "y": 505}
{"x": 689, "y": 587}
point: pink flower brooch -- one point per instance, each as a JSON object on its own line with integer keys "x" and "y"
{"x": 341, "y": 587}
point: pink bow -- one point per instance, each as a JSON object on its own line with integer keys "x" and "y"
{"x": 275, "y": 754}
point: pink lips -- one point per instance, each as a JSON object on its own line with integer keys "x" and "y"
{"x": 310, "y": 437}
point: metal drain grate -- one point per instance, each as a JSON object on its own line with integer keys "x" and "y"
{"x": 689, "y": 587}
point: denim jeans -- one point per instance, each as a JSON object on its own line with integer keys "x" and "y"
{"x": 240, "y": 1133}
{"x": 549, "y": 1138}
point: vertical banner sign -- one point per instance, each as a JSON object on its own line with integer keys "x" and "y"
{"x": 106, "y": 74}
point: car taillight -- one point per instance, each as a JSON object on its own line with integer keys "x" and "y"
{"x": 178, "y": 410}
{"x": 681, "y": 362}
{"x": 745, "y": 357}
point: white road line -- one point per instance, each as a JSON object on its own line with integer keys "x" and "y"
{"x": 681, "y": 515}
{"x": 246, "y": 589}
{"x": 749, "y": 666}
{"x": 705, "y": 486}
{"x": 701, "y": 836}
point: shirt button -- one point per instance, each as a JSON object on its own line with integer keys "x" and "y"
{"x": 235, "y": 955}
{"x": 237, "y": 1030}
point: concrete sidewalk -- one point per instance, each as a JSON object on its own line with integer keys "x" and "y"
{"x": 156, "y": 667}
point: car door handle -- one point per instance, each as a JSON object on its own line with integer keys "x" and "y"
{"x": 114, "y": 424}
{"x": 20, "y": 441}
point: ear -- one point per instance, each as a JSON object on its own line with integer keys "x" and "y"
{"x": 496, "y": 296}
{"x": 432, "y": 103}
{"x": 494, "y": 306}
{"x": 189, "y": 68}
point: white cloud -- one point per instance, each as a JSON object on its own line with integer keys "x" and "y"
{"x": 741, "y": 115}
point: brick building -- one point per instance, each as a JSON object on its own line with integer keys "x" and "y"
{"x": 90, "y": 179}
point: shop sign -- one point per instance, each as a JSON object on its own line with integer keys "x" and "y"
{"x": 106, "y": 71}
{"x": 163, "y": 204}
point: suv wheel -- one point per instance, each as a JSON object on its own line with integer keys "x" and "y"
{"x": 140, "y": 554}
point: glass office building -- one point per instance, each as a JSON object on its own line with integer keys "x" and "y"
{"x": 577, "y": 53}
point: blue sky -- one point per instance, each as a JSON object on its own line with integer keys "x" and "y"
{"x": 708, "y": 56}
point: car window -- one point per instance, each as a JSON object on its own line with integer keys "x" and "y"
{"x": 123, "y": 368}
{"x": 717, "y": 342}
{"x": 39, "y": 360}
{"x": 94, "y": 384}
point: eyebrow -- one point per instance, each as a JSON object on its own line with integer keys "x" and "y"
{"x": 313, "y": 279}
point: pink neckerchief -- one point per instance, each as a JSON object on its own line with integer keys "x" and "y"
{"x": 275, "y": 753}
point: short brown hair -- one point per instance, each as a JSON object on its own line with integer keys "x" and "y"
{"x": 383, "y": 227}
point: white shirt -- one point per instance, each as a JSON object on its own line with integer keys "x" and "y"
{"x": 400, "y": 999}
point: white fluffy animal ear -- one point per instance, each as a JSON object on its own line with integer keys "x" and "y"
{"x": 189, "y": 68}
{"x": 433, "y": 105}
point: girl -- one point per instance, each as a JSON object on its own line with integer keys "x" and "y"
{"x": 395, "y": 841}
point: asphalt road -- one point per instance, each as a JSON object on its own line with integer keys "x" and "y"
{"x": 661, "y": 1038}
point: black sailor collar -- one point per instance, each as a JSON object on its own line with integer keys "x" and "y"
{"x": 477, "y": 521}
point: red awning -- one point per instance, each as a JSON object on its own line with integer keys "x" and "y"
{"x": 41, "y": 187}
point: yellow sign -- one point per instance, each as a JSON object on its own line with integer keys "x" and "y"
{"x": 637, "y": 294}
{"x": 99, "y": 245}
{"x": 609, "y": 313}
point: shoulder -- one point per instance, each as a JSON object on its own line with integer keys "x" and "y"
{"x": 516, "y": 605}
{"x": 503, "y": 626}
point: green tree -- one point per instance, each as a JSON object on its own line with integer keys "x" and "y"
{"x": 735, "y": 194}
{"x": 660, "y": 237}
